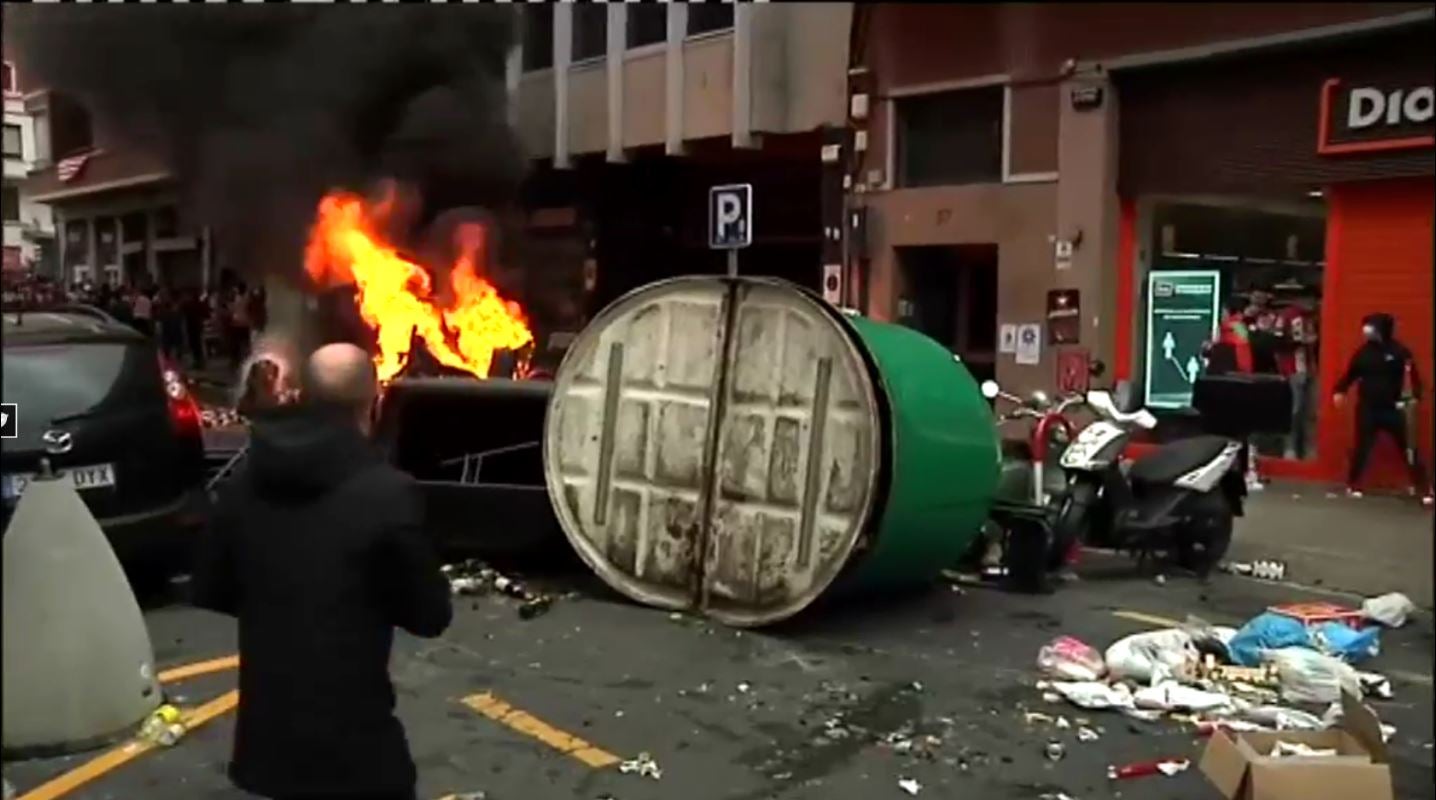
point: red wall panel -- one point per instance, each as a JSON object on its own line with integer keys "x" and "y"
{"x": 1379, "y": 258}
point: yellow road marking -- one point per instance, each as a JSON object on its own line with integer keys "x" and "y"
{"x": 125, "y": 753}
{"x": 1150, "y": 619}
{"x": 529, "y": 725}
{"x": 201, "y": 668}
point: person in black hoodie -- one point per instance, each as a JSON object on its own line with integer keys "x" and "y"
{"x": 317, "y": 548}
{"x": 1380, "y": 368}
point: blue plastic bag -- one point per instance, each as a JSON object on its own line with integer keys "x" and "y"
{"x": 1271, "y": 631}
{"x": 1266, "y": 632}
{"x": 1346, "y": 643}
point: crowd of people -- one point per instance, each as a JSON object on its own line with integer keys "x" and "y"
{"x": 190, "y": 324}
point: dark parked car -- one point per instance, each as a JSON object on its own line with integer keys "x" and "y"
{"x": 97, "y": 400}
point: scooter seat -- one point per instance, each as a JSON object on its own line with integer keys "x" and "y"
{"x": 1175, "y": 459}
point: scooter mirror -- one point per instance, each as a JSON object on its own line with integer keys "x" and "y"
{"x": 990, "y": 390}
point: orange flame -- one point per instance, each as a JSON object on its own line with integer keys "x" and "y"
{"x": 396, "y": 297}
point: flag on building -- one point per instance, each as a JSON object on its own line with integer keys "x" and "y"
{"x": 69, "y": 168}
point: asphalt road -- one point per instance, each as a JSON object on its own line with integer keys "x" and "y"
{"x": 744, "y": 715}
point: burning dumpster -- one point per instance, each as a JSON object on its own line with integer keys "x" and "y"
{"x": 737, "y": 446}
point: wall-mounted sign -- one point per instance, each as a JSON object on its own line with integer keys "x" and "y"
{"x": 1182, "y": 310}
{"x": 1064, "y": 316}
{"x": 833, "y": 283}
{"x": 1086, "y": 97}
{"x": 1370, "y": 117}
{"x": 1007, "y": 338}
{"x": 1029, "y": 344}
{"x": 1062, "y": 253}
{"x": 1073, "y": 371}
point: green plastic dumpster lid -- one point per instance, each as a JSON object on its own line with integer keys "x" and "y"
{"x": 748, "y": 516}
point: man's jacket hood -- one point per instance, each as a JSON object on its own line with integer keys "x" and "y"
{"x": 1385, "y": 326}
{"x": 302, "y": 451}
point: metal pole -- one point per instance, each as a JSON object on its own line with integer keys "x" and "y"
{"x": 733, "y": 262}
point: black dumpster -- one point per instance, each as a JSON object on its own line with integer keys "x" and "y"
{"x": 475, "y": 446}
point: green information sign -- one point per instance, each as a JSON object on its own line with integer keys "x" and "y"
{"x": 1182, "y": 316}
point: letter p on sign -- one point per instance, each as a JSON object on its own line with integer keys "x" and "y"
{"x": 730, "y": 216}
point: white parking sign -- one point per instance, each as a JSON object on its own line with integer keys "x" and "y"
{"x": 730, "y": 216}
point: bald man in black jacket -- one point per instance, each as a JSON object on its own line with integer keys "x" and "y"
{"x": 317, "y": 547}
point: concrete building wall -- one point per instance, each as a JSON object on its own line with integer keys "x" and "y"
{"x": 643, "y": 98}
{"x": 535, "y": 116}
{"x": 800, "y": 63}
{"x": 780, "y": 69}
{"x": 35, "y": 223}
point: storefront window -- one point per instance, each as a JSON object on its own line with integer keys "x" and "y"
{"x": 1264, "y": 260}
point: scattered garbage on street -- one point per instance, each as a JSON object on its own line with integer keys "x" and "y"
{"x": 910, "y": 786}
{"x": 1390, "y": 610}
{"x": 1264, "y": 570}
{"x": 163, "y": 726}
{"x": 1143, "y": 769}
{"x": 475, "y": 578}
{"x": 1260, "y": 682}
{"x": 1304, "y": 761}
{"x": 644, "y": 766}
{"x": 1069, "y": 659}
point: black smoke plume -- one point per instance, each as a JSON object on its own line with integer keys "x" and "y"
{"x": 261, "y": 109}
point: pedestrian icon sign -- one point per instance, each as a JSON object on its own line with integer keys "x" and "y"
{"x": 730, "y": 216}
{"x": 1182, "y": 317}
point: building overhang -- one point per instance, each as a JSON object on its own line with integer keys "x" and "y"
{"x": 135, "y": 181}
{"x": 1239, "y": 47}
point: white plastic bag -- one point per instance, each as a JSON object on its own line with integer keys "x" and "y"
{"x": 1094, "y": 694}
{"x": 1284, "y": 719}
{"x": 1390, "y": 610}
{"x": 1152, "y": 657}
{"x": 1173, "y": 696}
{"x": 1310, "y": 677}
{"x": 1069, "y": 659}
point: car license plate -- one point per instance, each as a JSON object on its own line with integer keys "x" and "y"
{"x": 97, "y": 476}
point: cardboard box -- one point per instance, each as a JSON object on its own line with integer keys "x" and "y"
{"x": 1241, "y": 767}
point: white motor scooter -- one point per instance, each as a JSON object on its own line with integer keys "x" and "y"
{"x": 1182, "y": 498}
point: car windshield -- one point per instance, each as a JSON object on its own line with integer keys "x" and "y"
{"x": 52, "y": 381}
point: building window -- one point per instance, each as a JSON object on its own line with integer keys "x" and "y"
{"x": 7, "y": 78}
{"x": 590, "y": 30}
{"x": 647, "y": 24}
{"x": 12, "y": 142}
{"x": 709, "y": 17}
{"x": 11, "y": 204}
{"x": 538, "y": 36}
{"x": 950, "y": 138}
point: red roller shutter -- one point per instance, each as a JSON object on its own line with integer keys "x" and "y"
{"x": 1379, "y": 258}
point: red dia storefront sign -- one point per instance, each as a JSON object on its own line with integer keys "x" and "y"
{"x": 1368, "y": 118}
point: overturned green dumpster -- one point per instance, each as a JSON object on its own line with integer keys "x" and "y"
{"x": 738, "y": 447}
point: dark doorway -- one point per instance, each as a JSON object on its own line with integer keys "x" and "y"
{"x": 950, "y": 293}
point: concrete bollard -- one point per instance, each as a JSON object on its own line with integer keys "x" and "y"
{"x": 78, "y": 667}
